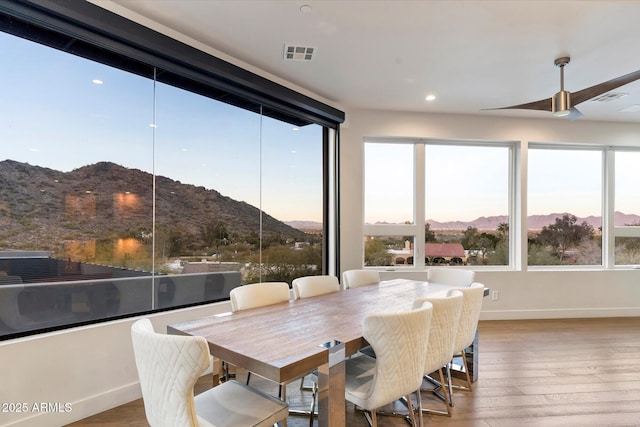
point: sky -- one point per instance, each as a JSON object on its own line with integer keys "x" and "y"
{"x": 463, "y": 183}
{"x": 63, "y": 112}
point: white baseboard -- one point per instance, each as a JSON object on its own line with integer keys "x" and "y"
{"x": 564, "y": 313}
{"x": 81, "y": 409}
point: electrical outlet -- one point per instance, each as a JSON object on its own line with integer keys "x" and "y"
{"x": 495, "y": 295}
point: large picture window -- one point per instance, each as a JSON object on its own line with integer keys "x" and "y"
{"x": 626, "y": 217}
{"x": 124, "y": 194}
{"x": 564, "y": 200}
{"x": 437, "y": 203}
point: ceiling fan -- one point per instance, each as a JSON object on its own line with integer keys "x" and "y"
{"x": 563, "y": 103}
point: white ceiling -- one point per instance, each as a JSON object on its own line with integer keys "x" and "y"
{"x": 389, "y": 55}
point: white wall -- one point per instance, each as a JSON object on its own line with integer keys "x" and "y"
{"x": 522, "y": 294}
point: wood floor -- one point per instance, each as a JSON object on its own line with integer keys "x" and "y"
{"x": 555, "y": 373}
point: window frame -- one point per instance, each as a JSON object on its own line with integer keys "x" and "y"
{"x": 604, "y": 195}
{"x": 614, "y": 231}
{"x": 88, "y": 31}
{"x": 419, "y": 195}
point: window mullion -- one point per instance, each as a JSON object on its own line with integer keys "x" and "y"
{"x": 419, "y": 205}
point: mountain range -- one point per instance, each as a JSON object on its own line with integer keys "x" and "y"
{"x": 484, "y": 223}
{"x": 106, "y": 200}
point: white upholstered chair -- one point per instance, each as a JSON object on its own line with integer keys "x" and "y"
{"x": 452, "y": 276}
{"x": 355, "y": 278}
{"x": 469, "y": 317}
{"x": 311, "y": 286}
{"x": 258, "y": 295}
{"x": 398, "y": 340}
{"x": 307, "y": 287}
{"x": 442, "y": 335}
{"x": 169, "y": 366}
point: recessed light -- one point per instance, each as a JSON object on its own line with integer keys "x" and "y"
{"x": 430, "y": 97}
{"x": 97, "y": 81}
{"x": 305, "y": 8}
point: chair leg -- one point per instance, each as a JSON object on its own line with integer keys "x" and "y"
{"x": 444, "y": 396}
{"x": 449, "y": 386}
{"x": 312, "y": 410}
{"x": 420, "y": 417}
{"x": 374, "y": 418}
{"x": 446, "y": 391}
{"x": 466, "y": 370}
{"x": 412, "y": 414}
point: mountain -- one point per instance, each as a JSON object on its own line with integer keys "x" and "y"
{"x": 535, "y": 222}
{"x": 306, "y": 226}
{"x": 106, "y": 200}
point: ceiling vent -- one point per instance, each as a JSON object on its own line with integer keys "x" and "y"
{"x": 630, "y": 109}
{"x": 298, "y": 53}
{"x": 608, "y": 97}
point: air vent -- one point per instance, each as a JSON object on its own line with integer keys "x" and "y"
{"x": 630, "y": 109}
{"x": 298, "y": 53}
{"x": 608, "y": 97}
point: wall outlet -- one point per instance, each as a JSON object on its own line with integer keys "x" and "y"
{"x": 495, "y": 295}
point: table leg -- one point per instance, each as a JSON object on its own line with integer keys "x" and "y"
{"x": 331, "y": 388}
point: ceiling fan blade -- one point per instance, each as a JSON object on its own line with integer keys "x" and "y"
{"x": 575, "y": 114}
{"x": 543, "y": 105}
{"x": 599, "y": 89}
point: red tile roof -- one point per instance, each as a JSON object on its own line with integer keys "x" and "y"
{"x": 444, "y": 249}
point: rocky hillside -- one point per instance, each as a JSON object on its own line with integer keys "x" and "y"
{"x": 105, "y": 200}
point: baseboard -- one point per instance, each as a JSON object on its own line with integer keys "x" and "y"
{"x": 563, "y": 313}
{"x": 83, "y": 408}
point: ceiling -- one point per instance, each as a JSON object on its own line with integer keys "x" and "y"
{"x": 388, "y": 55}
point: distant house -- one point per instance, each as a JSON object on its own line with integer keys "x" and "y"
{"x": 444, "y": 253}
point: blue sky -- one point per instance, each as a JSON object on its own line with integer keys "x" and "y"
{"x": 55, "y": 115}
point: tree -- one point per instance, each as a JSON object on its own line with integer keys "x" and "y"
{"x": 565, "y": 234}
{"x": 214, "y": 234}
{"x": 503, "y": 230}
{"x": 429, "y": 236}
{"x": 469, "y": 238}
{"x": 375, "y": 253}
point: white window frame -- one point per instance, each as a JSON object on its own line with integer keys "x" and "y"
{"x": 604, "y": 194}
{"x": 416, "y": 229}
{"x": 614, "y": 231}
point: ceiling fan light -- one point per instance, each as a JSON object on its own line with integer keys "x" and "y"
{"x": 561, "y": 103}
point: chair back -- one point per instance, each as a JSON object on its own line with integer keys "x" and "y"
{"x": 311, "y": 286}
{"x": 258, "y": 295}
{"x": 450, "y": 276}
{"x": 355, "y": 278}
{"x": 168, "y": 367}
{"x": 400, "y": 347}
{"x": 444, "y": 325}
{"x": 469, "y": 315}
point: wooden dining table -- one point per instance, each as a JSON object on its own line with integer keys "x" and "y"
{"x": 285, "y": 341}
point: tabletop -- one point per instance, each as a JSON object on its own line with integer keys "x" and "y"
{"x": 283, "y": 341}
